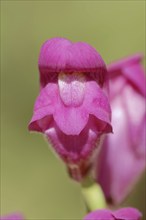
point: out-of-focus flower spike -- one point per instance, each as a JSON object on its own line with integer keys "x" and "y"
{"x": 121, "y": 160}
{"x": 133, "y": 70}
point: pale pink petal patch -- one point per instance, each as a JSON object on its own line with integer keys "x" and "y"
{"x": 72, "y": 88}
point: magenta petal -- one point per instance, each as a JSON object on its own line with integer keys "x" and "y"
{"x": 44, "y": 107}
{"x": 132, "y": 69}
{"x": 61, "y": 55}
{"x": 70, "y": 120}
{"x": 84, "y": 58}
{"x": 97, "y": 103}
{"x": 14, "y": 216}
{"x": 103, "y": 214}
{"x": 127, "y": 214}
{"x": 53, "y": 55}
{"x": 136, "y": 75}
{"x": 121, "y": 214}
{"x": 116, "y": 66}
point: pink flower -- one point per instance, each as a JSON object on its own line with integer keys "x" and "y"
{"x": 14, "y": 216}
{"x": 121, "y": 214}
{"x": 72, "y": 109}
{"x": 122, "y": 158}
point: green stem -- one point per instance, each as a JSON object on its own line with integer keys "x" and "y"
{"x": 93, "y": 195}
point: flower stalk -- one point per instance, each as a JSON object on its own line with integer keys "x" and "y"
{"x": 93, "y": 195}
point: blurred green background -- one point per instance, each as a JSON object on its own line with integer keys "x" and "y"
{"x": 33, "y": 180}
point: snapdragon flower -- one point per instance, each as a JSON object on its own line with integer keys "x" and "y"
{"x": 72, "y": 109}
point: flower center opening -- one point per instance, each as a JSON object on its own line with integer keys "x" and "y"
{"x": 72, "y": 88}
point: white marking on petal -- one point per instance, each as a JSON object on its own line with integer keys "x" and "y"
{"x": 72, "y": 88}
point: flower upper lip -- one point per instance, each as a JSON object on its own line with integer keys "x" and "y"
{"x": 61, "y": 55}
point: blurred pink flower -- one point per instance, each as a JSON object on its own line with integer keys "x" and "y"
{"x": 72, "y": 109}
{"x": 13, "y": 216}
{"x": 121, "y": 214}
{"x": 121, "y": 160}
